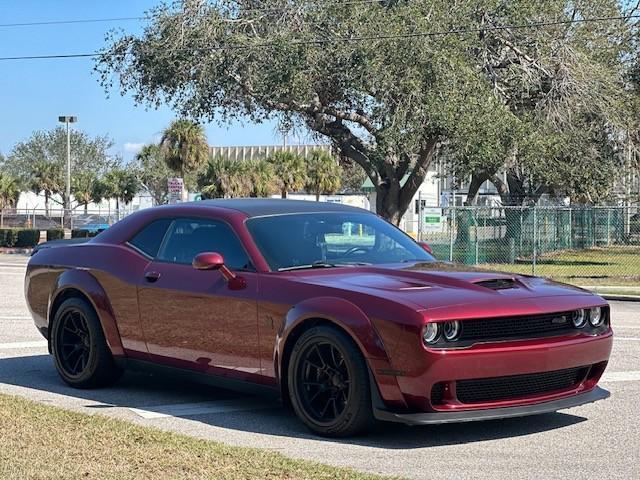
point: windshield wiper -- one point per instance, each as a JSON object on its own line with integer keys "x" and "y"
{"x": 322, "y": 264}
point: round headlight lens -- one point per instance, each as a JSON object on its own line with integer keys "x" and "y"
{"x": 430, "y": 333}
{"x": 451, "y": 330}
{"x": 579, "y": 318}
{"x": 595, "y": 316}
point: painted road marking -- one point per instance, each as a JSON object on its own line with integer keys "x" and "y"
{"x": 630, "y": 339}
{"x": 201, "y": 408}
{"x": 15, "y": 317}
{"x": 631, "y": 376}
{"x": 16, "y": 345}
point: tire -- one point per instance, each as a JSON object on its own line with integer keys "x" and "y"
{"x": 329, "y": 383}
{"x": 79, "y": 349}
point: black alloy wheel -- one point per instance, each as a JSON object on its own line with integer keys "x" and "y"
{"x": 329, "y": 383}
{"x": 323, "y": 382}
{"x": 82, "y": 356}
{"x": 74, "y": 342}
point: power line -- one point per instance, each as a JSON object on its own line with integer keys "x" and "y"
{"x": 145, "y": 17}
{"x": 322, "y": 41}
{"x": 67, "y": 22}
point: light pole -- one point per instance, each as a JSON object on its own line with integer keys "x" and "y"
{"x": 66, "y": 119}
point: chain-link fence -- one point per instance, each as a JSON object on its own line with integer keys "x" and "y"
{"x": 39, "y": 219}
{"x": 582, "y": 245}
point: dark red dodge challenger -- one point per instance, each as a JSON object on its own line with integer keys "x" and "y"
{"x": 341, "y": 314}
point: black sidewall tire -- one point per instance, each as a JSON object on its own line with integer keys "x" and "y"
{"x": 357, "y": 416}
{"x": 101, "y": 369}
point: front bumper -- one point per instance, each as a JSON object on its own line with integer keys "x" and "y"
{"x": 430, "y": 418}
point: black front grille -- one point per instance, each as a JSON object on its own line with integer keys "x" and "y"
{"x": 523, "y": 327}
{"x": 504, "y": 388}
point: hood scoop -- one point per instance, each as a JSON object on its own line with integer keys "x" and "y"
{"x": 498, "y": 283}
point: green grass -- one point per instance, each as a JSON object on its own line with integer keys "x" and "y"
{"x": 610, "y": 266}
{"x": 43, "y": 442}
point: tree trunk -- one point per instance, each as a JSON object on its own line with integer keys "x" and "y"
{"x": 317, "y": 196}
{"x": 86, "y": 208}
{"x": 284, "y": 193}
{"x": 46, "y": 204}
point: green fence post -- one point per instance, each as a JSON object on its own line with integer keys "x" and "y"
{"x": 535, "y": 241}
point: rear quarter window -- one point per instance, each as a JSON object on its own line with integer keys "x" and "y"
{"x": 149, "y": 239}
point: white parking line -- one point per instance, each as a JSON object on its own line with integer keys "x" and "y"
{"x": 17, "y": 345}
{"x": 201, "y": 408}
{"x": 15, "y": 317}
{"x": 630, "y": 376}
{"x": 630, "y": 339}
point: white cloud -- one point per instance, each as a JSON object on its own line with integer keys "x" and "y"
{"x": 131, "y": 147}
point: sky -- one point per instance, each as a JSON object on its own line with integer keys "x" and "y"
{"x": 33, "y": 93}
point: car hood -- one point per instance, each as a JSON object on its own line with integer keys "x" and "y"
{"x": 437, "y": 285}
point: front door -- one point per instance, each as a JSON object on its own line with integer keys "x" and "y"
{"x": 190, "y": 317}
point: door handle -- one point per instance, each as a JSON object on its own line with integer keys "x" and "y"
{"x": 152, "y": 276}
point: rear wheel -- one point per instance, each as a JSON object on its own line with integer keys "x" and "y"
{"x": 329, "y": 383}
{"x": 79, "y": 348}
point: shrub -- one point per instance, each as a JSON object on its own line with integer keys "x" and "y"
{"x": 83, "y": 234}
{"x": 8, "y": 237}
{"x": 27, "y": 238}
{"x": 55, "y": 234}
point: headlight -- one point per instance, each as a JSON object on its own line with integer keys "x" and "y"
{"x": 595, "y": 316}
{"x": 579, "y": 318}
{"x": 430, "y": 333}
{"x": 451, "y": 330}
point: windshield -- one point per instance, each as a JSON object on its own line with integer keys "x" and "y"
{"x": 312, "y": 240}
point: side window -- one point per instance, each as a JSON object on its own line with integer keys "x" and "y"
{"x": 148, "y": 239}
{"x": 189, "y": 237}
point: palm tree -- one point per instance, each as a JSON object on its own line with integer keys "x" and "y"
{"x": 290, "y": 171}
{"x": 9, "y": 190}
{"x": 323, "y": 173}
{"x": 262, "y": 178}
{"x": 46, "y": 177}
{"x": 122, "y": 185}
{"x": 84, "y": 187}
{"x": 224, "y": 178}
{"x": 184, "y": 146}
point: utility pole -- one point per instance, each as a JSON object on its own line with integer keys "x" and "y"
{"x": 66, "y": 119}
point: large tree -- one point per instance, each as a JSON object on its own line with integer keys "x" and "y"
{"x": 562, "y": 87}
{"x": 362, "y": 74}
{"x": 42, "y": 160}
{"x": 153, "y": 173}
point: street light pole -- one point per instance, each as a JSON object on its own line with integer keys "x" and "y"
{"x": 67, "y": 203}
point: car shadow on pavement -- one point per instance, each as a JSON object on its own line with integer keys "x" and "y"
{"x": 145, "y": 391}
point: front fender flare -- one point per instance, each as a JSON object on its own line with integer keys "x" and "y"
{"x": 358, "y": 326}
{"x": 84, "y": 282}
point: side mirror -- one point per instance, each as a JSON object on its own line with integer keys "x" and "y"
{"x": 215, "y": 261}
{"x": 208, "y": 261}
{"x": 425, "y": 246}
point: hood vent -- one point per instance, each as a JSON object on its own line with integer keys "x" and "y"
{"x": 498, "y": 283}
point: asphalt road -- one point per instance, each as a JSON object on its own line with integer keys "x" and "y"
{"x": 598, "y": 441}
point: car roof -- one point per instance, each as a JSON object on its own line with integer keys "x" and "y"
{"x": 259, "y": 207}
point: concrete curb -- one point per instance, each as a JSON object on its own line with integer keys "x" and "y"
{"x": 15, "y": 251}
{"x": 620, "y": 298}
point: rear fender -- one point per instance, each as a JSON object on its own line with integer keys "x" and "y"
{"x": 84, "y": 282}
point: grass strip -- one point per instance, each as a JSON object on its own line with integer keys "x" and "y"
{"x": 44, "y": 442}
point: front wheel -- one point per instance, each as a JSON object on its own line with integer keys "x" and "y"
{"x": 329, "y": 383}
{"x": 79, "y": 348}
